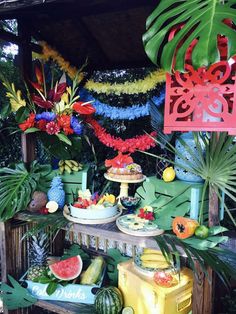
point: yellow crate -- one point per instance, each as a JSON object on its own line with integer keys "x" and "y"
{"x": 146, "y": 297}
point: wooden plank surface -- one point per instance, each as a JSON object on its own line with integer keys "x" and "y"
{"x": 65, "y": 307}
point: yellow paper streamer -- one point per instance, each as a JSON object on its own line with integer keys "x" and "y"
{"x": 135, "y": 87}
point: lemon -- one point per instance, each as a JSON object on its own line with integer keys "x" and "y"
{"x": 168, "y": 174}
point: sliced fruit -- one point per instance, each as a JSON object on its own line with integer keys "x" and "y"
{"x": 127, "y": 310}
{"x": 184, "y": 227}
{"x": 52, "y": 206}
{"x": 67, "y": 269}
{"x": 164, "y": 279}
{"x": 110, "y": 198}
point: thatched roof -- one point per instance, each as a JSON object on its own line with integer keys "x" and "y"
{"x": 108, "y": 32}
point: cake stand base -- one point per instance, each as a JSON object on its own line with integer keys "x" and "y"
{"x": 124, "y": 186}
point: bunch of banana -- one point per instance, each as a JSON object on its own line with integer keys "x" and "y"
{"x": 69, "y": 166}
{"x": 151, "y": 258}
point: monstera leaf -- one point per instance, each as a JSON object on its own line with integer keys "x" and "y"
{"x": 203, "y": 20}
{"x": 17, "y": 186}
{"x": 15, "y": 296}
{"x": 147, "y": 194}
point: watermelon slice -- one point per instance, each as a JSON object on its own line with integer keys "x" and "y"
{"x": 67, "y": 269}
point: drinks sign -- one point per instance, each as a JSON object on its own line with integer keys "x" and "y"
{"x": 70, "y": 293}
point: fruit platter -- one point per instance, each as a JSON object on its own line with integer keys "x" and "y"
{"x": 93, "y": 208}
{"x": 139, "y": 224}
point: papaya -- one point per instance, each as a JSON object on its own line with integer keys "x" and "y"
{"x": 184, "y": 227}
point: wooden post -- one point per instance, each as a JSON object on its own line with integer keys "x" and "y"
{"x": 10, "y": 239}
{"x": 203, "y": 288}
{"x": 25, "y": 63}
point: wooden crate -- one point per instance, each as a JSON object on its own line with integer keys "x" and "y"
{"x": 184, "y": 194}
{"x": 74, "y": 182}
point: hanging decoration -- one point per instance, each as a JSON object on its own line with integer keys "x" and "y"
{"x": 202, "y": 99}
{"x": 117, "y": 113}
{"x": 130, "y": 145}
{"x": 49, "y": 53}
{"x": 135, "y": 87}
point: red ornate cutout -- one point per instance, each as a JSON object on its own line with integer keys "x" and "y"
{"x": 203, "y": 99}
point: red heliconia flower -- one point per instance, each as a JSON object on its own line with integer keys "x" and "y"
{"x": 52, "y": 128}
{"x": 55, "y": 94}
{"x": 28, "y": 123}
{"x": 83, "y": 108}
{"x": 37, "y": 86}
{"x": 39, "y": 75}
{"x": 41, "y": 124}
{"x": 39, "y": 101}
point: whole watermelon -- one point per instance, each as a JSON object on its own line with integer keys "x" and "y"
{"x": 108, "y": 301}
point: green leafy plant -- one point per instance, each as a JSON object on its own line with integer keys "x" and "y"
{"x": 206, "y": 253}
{"x": 114, "y": 257}
{"x": 203, "y": 20}
{"x": 17, "y": 185}
{"x": 214, "y": 160}
{"x": 15, "y": 296}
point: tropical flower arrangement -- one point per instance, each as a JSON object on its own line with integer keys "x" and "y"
{"x": 54, "y": 110}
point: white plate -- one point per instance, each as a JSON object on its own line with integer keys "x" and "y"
{"x": 138, "y": 233}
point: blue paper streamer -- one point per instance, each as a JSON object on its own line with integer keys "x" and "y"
{"x": 118, "y": 113}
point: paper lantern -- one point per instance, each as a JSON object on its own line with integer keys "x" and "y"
{"x": 202, "y": 99}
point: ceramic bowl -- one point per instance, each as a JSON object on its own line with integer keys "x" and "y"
{"x": 84, "y": 213}
{"x": 130, "y": 202}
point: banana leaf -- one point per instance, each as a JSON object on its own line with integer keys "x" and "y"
{"x": 203, "y": 20}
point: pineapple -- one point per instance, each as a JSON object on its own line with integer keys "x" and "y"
{"x": 39, "y": 248}
{"x": 56, "y": 192}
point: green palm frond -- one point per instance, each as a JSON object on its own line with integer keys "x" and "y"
{"x": 17, "y": 186}
{"x": 218, "y": 259}
{"x": 203, "y": 20}
{"x": 214, "y": 160}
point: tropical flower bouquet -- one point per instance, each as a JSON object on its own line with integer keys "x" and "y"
{"x": 50, "y": 108}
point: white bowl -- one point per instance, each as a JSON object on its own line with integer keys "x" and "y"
{"x": 84, "y": 213}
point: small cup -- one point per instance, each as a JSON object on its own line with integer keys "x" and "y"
{"x": 130, "y": 202}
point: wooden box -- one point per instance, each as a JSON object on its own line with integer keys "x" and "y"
{"x": 74, "y": 182}
{"x": 178, "y": 194}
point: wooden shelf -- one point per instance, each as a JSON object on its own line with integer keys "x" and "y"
{"x": 65, "y": 307}
{"x": 107, "y": 231}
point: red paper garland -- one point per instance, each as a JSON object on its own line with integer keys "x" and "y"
{"x": 141, "y": 142}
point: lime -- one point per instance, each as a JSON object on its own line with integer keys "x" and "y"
{"x": 127, "y": 310}
{"x": 168, "y": 174}
{"x": 202, "y": 232}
